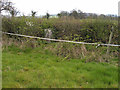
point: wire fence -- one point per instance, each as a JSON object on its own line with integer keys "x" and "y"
{"x": 57, "y": 40}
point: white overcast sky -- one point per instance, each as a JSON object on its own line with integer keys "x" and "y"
{"x": 55, "y": 6}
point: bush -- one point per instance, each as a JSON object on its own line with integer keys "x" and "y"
{"x": 88, "y": 30}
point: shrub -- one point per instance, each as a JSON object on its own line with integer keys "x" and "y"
{"x": 88, "y": 30}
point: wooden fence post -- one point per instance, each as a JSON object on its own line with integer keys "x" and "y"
{"x": 110, "y": 39}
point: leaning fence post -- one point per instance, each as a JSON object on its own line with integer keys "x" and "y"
{"x": 110, "y": 39}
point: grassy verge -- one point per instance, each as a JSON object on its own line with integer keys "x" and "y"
{"x": 39, "y": 68}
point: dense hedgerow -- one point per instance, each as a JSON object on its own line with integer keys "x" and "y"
{"x": 88, "y": 30}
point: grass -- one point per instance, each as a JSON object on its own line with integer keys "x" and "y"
{"x": 39, "y": 68}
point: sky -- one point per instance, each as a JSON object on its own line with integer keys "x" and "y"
{"x": 55, "y": 6}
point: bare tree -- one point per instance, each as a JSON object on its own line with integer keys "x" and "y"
{"x": 5, "y": 5}
{"x": 14, "y": 12}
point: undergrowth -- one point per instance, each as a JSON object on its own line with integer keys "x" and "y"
{"x": 67, "y": 50}
{"x": 39, "y": 67}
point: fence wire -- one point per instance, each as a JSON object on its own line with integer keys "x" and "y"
{"x": 57, "y": 40}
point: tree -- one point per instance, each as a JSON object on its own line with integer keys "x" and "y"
{"x": 6, "y": 5}
{"x": 14, "y": 12}
{"x": 74, "y": 13}
{"x": 59, "y": 15}
{"x": 47, "y": 15}
{"x": 33, "y": 13}
{"x": 64, "y": 13}
{"x": 81, "y": 14}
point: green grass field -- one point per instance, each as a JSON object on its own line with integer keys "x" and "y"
{"x": 39, "y": 68}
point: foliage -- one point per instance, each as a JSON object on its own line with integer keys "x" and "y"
{"x": 88, "y": 30}
{"x": 30, "y": 63}
{"x": 22, "y": 25}
{"x": 66, "y": 50}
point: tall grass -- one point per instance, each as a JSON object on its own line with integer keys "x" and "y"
{"x": 87, "y": 53}
{"x": 37, "y": 64}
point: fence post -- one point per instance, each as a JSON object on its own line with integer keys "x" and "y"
{"x": 110, "y": 39}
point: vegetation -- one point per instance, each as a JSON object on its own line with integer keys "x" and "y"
{"x": 7, "y": 5}
{"x": 35, "y": 63}
{"x": 31, "y": 64}
{"x": 88, "y": 30}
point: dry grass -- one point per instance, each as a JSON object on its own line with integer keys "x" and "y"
{"x": 66, "y": 50}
